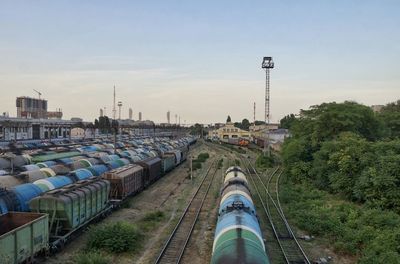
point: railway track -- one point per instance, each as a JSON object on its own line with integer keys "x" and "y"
{"x": 268, "y": 193}
{"x": 285, "y": 247}
{"x": 175, "y": 246}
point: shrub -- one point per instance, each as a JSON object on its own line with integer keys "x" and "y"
{"x": 115, "y": 237}
{"x": 150, "y": 220}
{"x": 264, "y": 161}
{"x": 196, "y": 165}
{"x": 220, "y": 163}
{"x": 154, "y": 216}
{"x": 203, "y": 157}
{"x": 91, "y": 258}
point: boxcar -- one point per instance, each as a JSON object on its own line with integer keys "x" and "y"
{"x": 168, "y": 163}
{"x": 125, "y": 181}
{"x": 152, "y": 169}
{"x": 74, "y": 205}
{"x": 22, "y": 236}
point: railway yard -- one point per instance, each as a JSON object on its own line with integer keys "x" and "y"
{"x": 176, "y": 209}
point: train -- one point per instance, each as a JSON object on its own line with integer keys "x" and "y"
{"x": 41, "y": 209}
{"x": 238, "y": 237}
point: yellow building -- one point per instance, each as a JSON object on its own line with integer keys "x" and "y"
{"x": 228, "y": 131}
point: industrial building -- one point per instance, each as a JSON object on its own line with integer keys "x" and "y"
{"x": 12, "y": 128}
{"x": 34, "y": 121}
{"x": 228, "y": 131}
{"x": 28, "y": 107}
{"x": 259, "y": 131}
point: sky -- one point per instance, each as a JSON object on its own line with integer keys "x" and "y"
{"x": 199, "y": 59}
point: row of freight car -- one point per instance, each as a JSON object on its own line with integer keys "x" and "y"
{"x": 137, "y": 148}
{"x": 57, "y": 213}
{"x": 58, "y": 169}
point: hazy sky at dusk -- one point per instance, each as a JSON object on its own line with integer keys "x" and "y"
{"x": 200, "y": 59}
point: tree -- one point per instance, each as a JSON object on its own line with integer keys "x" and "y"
{"x": 328, "y": 120}
{"x": 114, "y": 126}
{"x": 228, "y": 119}
{"x": 245, "y": 124}
{"x": 287, "y": 121}
{"x": 107, "y": 124}
{"x": 196, "y": 129}
{"x": 96, "y": 123}
{"x": 390, "y": 116}
{"x": 238, "y": 125}
{"x": 259, "y": 122}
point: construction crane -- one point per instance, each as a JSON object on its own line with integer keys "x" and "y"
{"x": 39, "y": 93}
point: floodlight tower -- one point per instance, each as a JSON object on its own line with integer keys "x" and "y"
{"x": 119, "y": 107}
{"x": 267, "y": 64}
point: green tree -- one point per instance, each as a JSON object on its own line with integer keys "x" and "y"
{"x": 287, "y": 121}
{"x": 390, "y": 116}
{"x": 196, "y": 129}
{"x": 259, "y": 122}
{"x": 245, "y": 124}
{"x": 238, "y": 125}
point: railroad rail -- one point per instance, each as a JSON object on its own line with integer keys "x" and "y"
{"x": 268, "y": 192}
{"x": 177, "y": 242}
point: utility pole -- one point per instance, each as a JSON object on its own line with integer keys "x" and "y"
{"x": 254, "y": 121}
{"x": 113, "y": 123}
{"x": 267, "y": 64}
{"x": 191, "y": 168}
{"x": 114, "y": 110}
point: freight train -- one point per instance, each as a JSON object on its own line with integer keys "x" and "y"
{"x": 77, "y": 187}
{"x": 238, "y": 237}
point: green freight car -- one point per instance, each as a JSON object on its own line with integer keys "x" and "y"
{"x": 22, "y": 236}
{"x": 54, "y": 156}
{"x": 73, "y": 206}
{"x": 168, "y": 163}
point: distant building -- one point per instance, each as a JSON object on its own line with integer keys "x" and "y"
{"x": 260, "y": 131}
{"x": 228, "y": 131}
{"x": 278, "y": 135}
{"x": 377, "y": 108}
{"x": 12, "y": 128}
{"x": 76, "y": 119}
{"x": 101, "y": 112}
{"x": 28, "y": 107}
{"x": 130, "y": 114}
{"x": 169, "y": 117}
{"x": 77, "y": 132}
{"x": 140, "y": 116}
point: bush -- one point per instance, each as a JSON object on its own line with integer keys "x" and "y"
{"x": 373, "y": 234}
{"x": 91, "y": 258}
{"x": 220, "y": 163}
{"x": 203, "y": 157}
{"x": 196, "y": 165}
{"x": 265, "y": 161}
{"x": 154, "y": 216}
{"x": 150, "y": 220}
{"x": 115, "y": 237}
